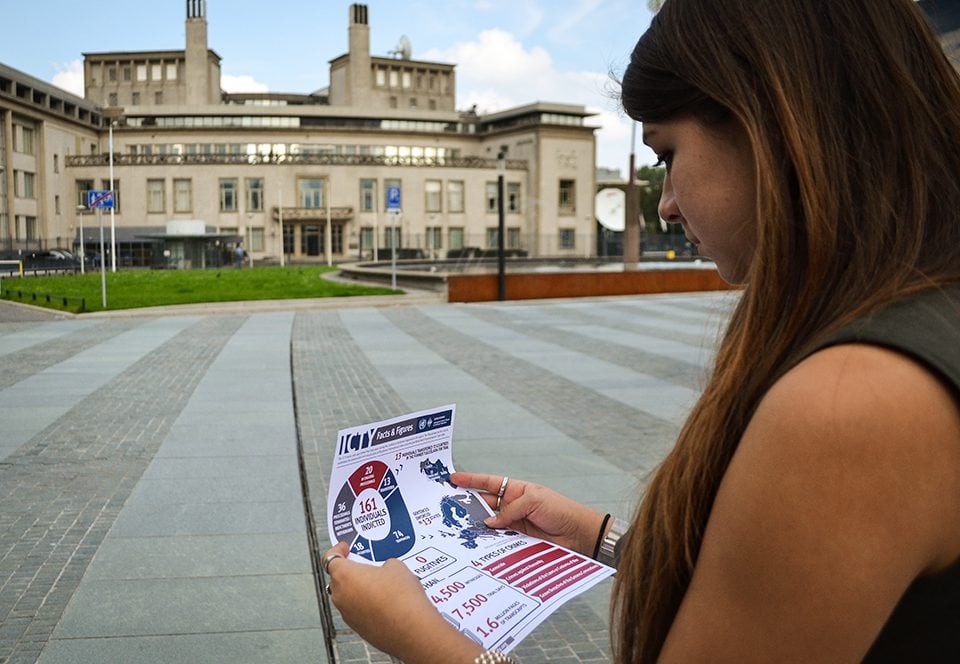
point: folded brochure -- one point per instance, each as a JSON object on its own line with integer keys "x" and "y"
{"x": 391, "y": 497}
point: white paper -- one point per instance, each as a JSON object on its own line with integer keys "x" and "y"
{"x": 390, "y": 497}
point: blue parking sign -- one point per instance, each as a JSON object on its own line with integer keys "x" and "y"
{"x": 393, "y": 197}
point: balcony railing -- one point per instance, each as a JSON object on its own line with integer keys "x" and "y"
{"x": 288, "y": 159}
{"x": 301, "y": 214}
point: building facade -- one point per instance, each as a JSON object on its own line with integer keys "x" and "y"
{"x": 302, "y": 174}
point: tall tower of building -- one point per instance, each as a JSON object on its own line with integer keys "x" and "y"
{"x": 197, "y": 74}
{"x": 358, "y": 69}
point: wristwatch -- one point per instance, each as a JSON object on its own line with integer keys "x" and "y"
{"x": 611, "y": 545}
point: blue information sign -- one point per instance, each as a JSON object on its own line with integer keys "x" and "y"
{"x": 99, "y": 198}
{"x": 393, "y": 197}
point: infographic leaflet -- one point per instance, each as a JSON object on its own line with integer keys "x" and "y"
{"x": 391, "y": 497}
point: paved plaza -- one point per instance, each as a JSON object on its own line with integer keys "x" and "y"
{"x": 151, "y": 503}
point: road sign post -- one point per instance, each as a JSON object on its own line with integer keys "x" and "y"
{"x": 100, "y": 199}
{"x": 393, "y": 213}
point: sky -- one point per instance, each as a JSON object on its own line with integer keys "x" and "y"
{"x": 507, "y": 52}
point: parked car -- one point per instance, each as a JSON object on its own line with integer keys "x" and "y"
{"x": 51, "y": 259}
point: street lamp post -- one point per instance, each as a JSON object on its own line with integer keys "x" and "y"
{"x": 501, "y": 230}
{"x": 113, "y": 226}
{"x": 83, "y": 254}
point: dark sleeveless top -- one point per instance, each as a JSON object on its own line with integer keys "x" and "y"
{"x": 925, "y": 625}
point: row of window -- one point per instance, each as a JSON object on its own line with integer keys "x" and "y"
{"x": 153, "y": 71}
{"x": 311, "y": 193}
{"x": 408, "y": 78}
{"x": 113, "y": 99}
{"x": 281, "y": 149}
{"x": 287, "y": 121}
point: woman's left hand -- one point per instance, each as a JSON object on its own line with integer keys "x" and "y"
{"x": 388, "y": 608}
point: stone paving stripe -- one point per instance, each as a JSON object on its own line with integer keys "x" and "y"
{"x": 642, "y": 392}
{"x": 61, "y": 491}
{"x": 38, "y": 334}
{"x": 249, "y": 381}
{"x": 62, "y": 386}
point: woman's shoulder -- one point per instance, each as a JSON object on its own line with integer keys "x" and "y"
{"x": 881, "y": 420}
{"x": 844, "y": 489}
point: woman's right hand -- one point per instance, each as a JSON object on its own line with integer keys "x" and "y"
{"x": 535, "y": 510}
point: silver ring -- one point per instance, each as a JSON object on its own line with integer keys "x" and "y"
{"x": 327, "y": 559}
{"x": 500, "y": 492}
{"x": 328, "y": 589}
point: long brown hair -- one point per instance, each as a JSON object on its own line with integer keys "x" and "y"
{"x": 852, "y": 112}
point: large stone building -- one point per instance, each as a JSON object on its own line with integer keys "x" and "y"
{"x": 306, "y": 174}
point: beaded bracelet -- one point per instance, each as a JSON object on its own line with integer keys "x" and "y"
{"x": 493, "y": 657}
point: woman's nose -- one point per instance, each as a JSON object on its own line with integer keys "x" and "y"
{"x": 668, "y": 209}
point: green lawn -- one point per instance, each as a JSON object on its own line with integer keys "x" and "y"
{"x": 130, "y": 289}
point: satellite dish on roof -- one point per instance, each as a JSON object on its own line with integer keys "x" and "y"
{"x": 610, "y": 206}
{"x": 404, "y": 48}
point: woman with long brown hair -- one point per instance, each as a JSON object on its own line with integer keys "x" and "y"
{"x": 810, "y": 510}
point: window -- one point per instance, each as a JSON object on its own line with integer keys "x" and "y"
{"x": 568, "y": 238}
{"x": 493, "y": 233}
{"x": 491, "y": 197}
{"x": 433, "y": 189}
{"x": 513, "y": 238}
{"x": 394, "y": 79}
{"x": 393, "y": 102}
{"x": 156, "y": 72}
{"x": 156, "y": 196}
{"x": 311, "y": 241}
{"x": 455, "y": 237}
{"x": 254, "y": 187}
{"x": 406, "y": 79}
{"x": 112, "y": 99}
{"x": 141, "y": 72}
{"x": 23, "y": 140}
{"x": 24, "y": 184}
{"x": 368, "y": 195}
{"x": 391, "y": 232}
{"x": 434, "y": 237}
{"x": 311, "y": 193}
{"x": 56, "y": 163}
{"x": 105, "y": 185}
{"x": 56, "y": 204}
{"x": 455, "y": 196}
{"x": 255, "y": 241}
{"x": 171, "y": 71}
{"x": 182, "y": 195}
{"x": 381, "y": 78}
{"x": 83, "y": 186}
{"x": 228, "y": 194}
{"x": 30, "y": 224}
{"x": 386, "y": 187}
{"x": 366, "y": 239}
{"x": 336, "y": 238}
{"x": 158, "y": 97}
{"x": 136, "y": 98}
{"x": 568, "y": 199}
{"x": 513, "y": 197}
{"x": 111, "y": 73}
{"x": 126, "y": 73}
{"x": 413, "y": 102}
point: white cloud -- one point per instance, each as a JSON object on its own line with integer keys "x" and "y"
{"x": 69, "y": 77}
{"x": 496, "y": 71}
{"x": 242, "y": 83}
